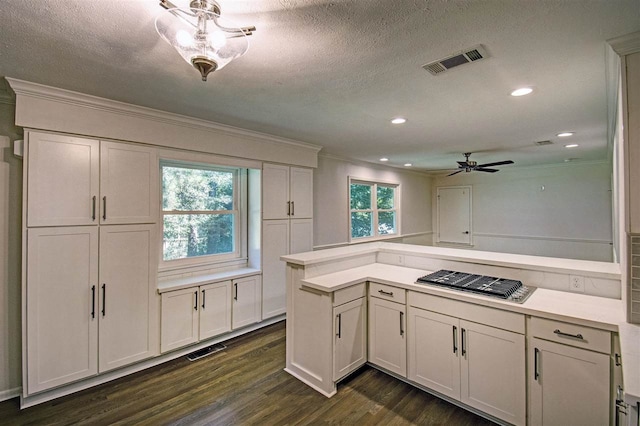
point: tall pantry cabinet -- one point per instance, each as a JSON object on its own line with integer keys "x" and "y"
{"x": 90, "y": 253}
{"x": 287, "y": 228}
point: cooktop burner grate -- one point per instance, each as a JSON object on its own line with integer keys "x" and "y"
{"x": 503, "y": 288}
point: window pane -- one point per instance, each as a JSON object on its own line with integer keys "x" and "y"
{"x": 197, "y": 235}
{"x": 385, "y": 197}
{"x": 361, "y": 224}
{"x": 360, "y": 196}
{"x": 186, "y": 189}
{"x": 386, "y": 223}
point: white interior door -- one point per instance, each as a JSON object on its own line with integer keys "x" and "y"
{"x": 454, "y": 215}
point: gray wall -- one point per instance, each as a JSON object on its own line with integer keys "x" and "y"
{"x": 571, "y": 217}
{"x": 331, "y": 200}
{"x": 10, "y": 254}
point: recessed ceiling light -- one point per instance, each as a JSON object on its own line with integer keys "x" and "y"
{"x": 571, "y": 145}
{"x": 408, "y": 164}
{"x": 565, "y": 134}
{"x": 399, "y": 120}
{"x": 522, "y": 91}
{"x": 384, "y": 159}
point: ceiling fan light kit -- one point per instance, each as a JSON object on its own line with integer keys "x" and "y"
{"x": 201, "y": 36}
{"x": 473, "y": 166}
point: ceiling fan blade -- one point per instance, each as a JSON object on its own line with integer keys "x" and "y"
{"x": 463, "y": 163}
{"x": 455, "y": 173}
{"x": 499, "y": 163}
{"x": 481, "y": 169}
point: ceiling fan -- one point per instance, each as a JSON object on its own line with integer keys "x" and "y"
{"x": 470, "y": 165}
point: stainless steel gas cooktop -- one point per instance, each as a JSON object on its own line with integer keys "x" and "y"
{"x": 501, "y": 288}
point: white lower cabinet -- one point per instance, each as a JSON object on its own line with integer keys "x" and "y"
{"x": 193, "y": 314}
{"x": 480, "y": 365}
{"x": 569, "y": 382}
{"x": 247, "y": 296}
{"x": 82, "y": 320}
{"x": 387, "y": 334}
{"x": 350, "y": 337}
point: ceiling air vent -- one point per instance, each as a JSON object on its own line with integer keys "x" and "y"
{"x": 472, "y": 54}
{"x": 543, "y": 143}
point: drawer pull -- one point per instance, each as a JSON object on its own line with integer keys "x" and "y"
{"x": 386, "y": 293}
{"x": 339, "y": 333}
{"x": 618, "y": 360}
{"x": 536, "y": 351}
{"x": 573, "y": 336}
{"x": 455, "y": 339}
{"x": 464, "y": 346}
{"x": 401, "y": 323}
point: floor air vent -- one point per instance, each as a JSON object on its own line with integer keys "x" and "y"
{"x": 206, "y": 351}
{"x": 473, "y": 54}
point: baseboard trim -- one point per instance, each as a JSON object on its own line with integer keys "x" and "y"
{"x": 10, "y": 393}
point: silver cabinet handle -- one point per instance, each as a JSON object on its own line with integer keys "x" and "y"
{"x": 536, "y": 353}
{"x": 455, "y": 339}
{"x": 93, "y": 208}
{"x": 293, "y": 208}
{"x": 288, "y": 208}
{"x": 195, "y": 307}
{"x": 401, "y": 323}
{"x": 386, "y": 293}
{"x": 573, "y": 336}
{"x": 202, "y": 299}
{"x": 235, "y": 286}
{"x": 104, "y": 208}
{"x": 339, "y": 333}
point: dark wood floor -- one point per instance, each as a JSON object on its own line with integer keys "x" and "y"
{"x": 242, "y": 385}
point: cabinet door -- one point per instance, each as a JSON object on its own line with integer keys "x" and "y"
{"x": 567, "y": 385}
{"x": 128, "y": 299}
{"x": 275, "y": 192}
{"x": 493, "y": 371}
{"x": 179, "y": 325}
{"x": 62, "y": 180}
{"x": 301, "y": 236}
{"x": 433, "y": 351}
{"x": 275, "y": 243}
{"x": 350, "y": 337}
{"x": 301, "y": 193}
{"x": 246, "y": 301}
{"x": 62, "y": 311}
{"x": 387, "y": 342}
{"x": 215, "y": 309}
{"x": 128, "y": 184}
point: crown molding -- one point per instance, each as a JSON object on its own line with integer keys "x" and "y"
{"x": 626, "y": 44}
{"x": 374, "y": 165}
{"x": 40, "y": 91}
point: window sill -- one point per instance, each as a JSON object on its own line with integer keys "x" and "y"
{"x": 182, "y": 282}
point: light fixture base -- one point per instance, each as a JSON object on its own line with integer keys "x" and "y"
{"x": 210, "y": 6}
{"x": 204, "y": 65}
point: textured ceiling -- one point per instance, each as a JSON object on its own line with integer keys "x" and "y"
{"x": 333, "y": 73}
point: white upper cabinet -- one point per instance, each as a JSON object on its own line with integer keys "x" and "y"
{"x": 287, "y": 192}
{"x": 128, "y": 184}
{"x": 78, "y": 181}
{"x": 63, "y": 180}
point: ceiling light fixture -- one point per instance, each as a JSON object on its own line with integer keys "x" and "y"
{"x": 201, "y": 36}
{"x": 399, "y": 120}
{"x": 571, "y": 145}
{"x": 565, "y": 134}
{"x": 522, "y": 91}
{"x": 408, "y": 164}
{"x": 384, "y": 159}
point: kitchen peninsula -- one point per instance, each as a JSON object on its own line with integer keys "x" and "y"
{"x": 513, "y": 363}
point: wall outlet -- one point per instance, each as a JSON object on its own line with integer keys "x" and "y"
{"x": 576, "y": 283}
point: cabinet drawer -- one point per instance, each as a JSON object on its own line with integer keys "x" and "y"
{"x": 387, "y": 292}
{"x": 571, "y": 334}
{"x": 348, "y": 294}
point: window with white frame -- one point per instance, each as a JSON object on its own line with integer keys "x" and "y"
{"x": 374, "y": 209}
{"x": 201, "y": 213}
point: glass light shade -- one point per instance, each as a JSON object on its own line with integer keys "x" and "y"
{"x": 203, "y": 38}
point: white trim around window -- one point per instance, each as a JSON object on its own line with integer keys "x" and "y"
{"x": 368, "y": 221}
